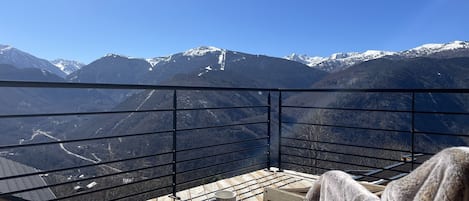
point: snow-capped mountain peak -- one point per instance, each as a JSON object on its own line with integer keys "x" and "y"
{"x": 200, "y": 51}
{"x": 428, "y": 46}
{"x": 113, "y": 55}
{"x": 302, "y": 58}
{"x": 431, "y": 48}
{"x": 376, "y": 53}
{"x": 67, "y": 66}
{"x": 339, "y": 61}
{"x": 341, "y": 55}
{"x": 20, "y": 59}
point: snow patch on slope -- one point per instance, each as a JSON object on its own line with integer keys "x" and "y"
{"x": 67, "y": 66}
{"x": 4, "y": 48}
{"x": 200, "y": 51}
{"x": 113, "y": 55}
{"x": 207, "y": 69}
{"x": 158, "y": 60}
{"x": 222, "y": 60}
{"x": 305, "y": 59}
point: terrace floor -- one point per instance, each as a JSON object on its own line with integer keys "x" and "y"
{"x": 249, "y": 187}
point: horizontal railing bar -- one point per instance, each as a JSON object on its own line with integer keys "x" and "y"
{"x": 304, "y": 176}
{"x": 113, "y": 136}
{"x": 425, "y": 153}
{"x": 83, "y": 166}
{"x": 83, "y": 139}
{"x": 348, "y": 154}
{"x": 223, "y": 144}
{"x": 81, "y": 113}
{"x": 418, "y": 163}
{"x": 217, "y": 164}
{"x": 345, "y": 163}
{"x": 80, "y": 180}
{"x": 444, "y": 134}
{"x": 226, "y": 153}
{"x": 376, "y": 110}
{"x": 347, "y": 109}
{"x": 112, "y": 187}
{"x": 351, "y": 127}
{"x": 395, "y": 165}
{"x": 328, "y": 169}
{"x": 374, "y": 172}
{"x": 444, "y": 113}
{"x": 397, "y": 176}
{"x": 342, "y": 144}
{"x": 223, "y": 108}
{"x": 389, "y": 90}
{"x": 140, "y": 193}
{"x": 222, "y": 126}
{"x": 76, "y": 85}
{"x": 293, "y": 163}
{"x": 238, "y": 170}
{"x": 214, "y": 108}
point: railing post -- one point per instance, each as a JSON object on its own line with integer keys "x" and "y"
{"x": 269, "y": 110}
{"x": 413, "y": 131}
{"x": 174, "y": 145}
{"x": 280, "y": 131}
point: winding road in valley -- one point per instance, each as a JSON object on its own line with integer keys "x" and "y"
{"x": 39, "y": 132}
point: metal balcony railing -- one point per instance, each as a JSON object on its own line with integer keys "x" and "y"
{"x": 287, "y": 136}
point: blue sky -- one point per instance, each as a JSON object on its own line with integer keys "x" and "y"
{"x": 85, "y": 30}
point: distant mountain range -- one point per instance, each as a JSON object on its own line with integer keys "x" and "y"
{"x": 340, "y": 61}
{"x": 163, "y": 66}
{"x": 261, "y": 71}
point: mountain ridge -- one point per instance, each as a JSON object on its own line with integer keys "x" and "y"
{"x": 332, "y": 63}
{"x": 197, "y": 62}
{"x": 340, "y": 61}
{"x": 20, "y": 59}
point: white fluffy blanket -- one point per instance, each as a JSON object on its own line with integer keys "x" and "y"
{"x": 338, "y": 186}
{"x": 444, "y": 177}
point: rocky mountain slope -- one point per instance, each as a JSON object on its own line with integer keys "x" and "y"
{"x": 419, "y": 73}
{"x": 12, "y": 56}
